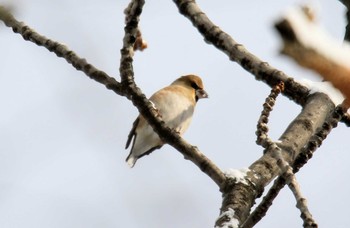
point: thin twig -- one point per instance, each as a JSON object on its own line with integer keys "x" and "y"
{"x": 240, "y": 197}
{"x": 145, "y": 107}
{"x": 262, "y": 128}
{"x": 127, "y": 88}
{"x": 301, "y": 201}
{"x": 60, "y": 50}
{"x": 276, "y": 152}
{"x": 303, "y": 157}
{"x": 291, "y": 180}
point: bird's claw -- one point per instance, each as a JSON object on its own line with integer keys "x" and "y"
{"x": 155, "y": 110}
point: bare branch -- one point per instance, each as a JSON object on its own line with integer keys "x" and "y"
{"x": 276, "y": 153}
{"x": 303, "y": 157}
{"x": 145, "y": 107}
{"x": 301, "y": 201}
{"x": 132, "y": 18}
{"x": 127, "y": 88}
{"x": 287, "y": 172}
{"x": 60, "y": 50}
{"x": 262, "y": 128}
{"x": 236, "y": 52}
{"x": 296, "y": 145}
{"x": 240, "y": 197}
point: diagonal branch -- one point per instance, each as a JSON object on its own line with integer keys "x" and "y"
{"x": 309, "y": 222}
{"x": 241, "y": 197}
{"x": 265, "y": 141}
{"x": 287, "y": 171}
{"x": 127, "y": 88}
{"x": 310, "y": 46}
{"x": 303, "y": 157}
{"x": 60, "y": 50}
{"x": 236, "y": 52}
{"x": 145, "y": 107}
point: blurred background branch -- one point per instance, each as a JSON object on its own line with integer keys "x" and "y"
{"x": 297, "y": 143}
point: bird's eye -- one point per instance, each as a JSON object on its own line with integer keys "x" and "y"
{"x": 194, "y": 85}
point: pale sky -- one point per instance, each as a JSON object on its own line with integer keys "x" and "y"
{"x": 62, "y": 135}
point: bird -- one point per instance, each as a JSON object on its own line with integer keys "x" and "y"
{"x": 175, "y": 104}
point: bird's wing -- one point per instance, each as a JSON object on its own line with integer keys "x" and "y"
{"x": 144, "y": 141}
{"x": 132, "y": 133}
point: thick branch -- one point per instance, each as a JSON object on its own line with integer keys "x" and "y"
{"x": 265, "y": 141}
{"x": 240, "y": 197}
{"x": 303, "y": 157}
{"x": 236, "y": 52}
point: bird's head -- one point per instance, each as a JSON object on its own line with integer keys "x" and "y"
{"x": 193, "y": 82}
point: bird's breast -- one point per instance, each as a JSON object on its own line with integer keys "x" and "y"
{"x": 176, "y": 109}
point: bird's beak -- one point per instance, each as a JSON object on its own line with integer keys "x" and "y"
{"x": 201, "y": 93}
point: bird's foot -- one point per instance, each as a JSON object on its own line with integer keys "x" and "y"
{"x": 155, "y": 110}
{"x": 177, "y": 131}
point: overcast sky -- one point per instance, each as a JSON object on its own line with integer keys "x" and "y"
{"x": 62, "y": 135}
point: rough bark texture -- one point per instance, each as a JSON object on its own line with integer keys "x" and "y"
{"x": 236, "y": 52}
{"x": 242, "y": 197}
{"x": 297, "y": 143}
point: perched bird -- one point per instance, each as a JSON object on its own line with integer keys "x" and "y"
{"x": 175, "y": 104}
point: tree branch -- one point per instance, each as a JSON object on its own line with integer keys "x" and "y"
{"x": 236, "y": 52}
{"x": 307, "y": 129}
{"x": 145, "y": 107}
{"x": 305, "y": 154}
{"x": 287, "y": 171}
{"x": 309, "y": 222}
{"x": 60, "y": 50}
{"x": 311, "y": 47}
{"x": 262, "y": 128}
{"x": 127, "y": 88}
{"x": 239, "y": 197}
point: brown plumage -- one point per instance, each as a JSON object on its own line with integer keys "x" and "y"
{"x": 175, "y": 104}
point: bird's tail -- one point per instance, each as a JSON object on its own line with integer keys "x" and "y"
{"x": 131, "y": 160}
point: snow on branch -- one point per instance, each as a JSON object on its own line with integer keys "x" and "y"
{"x": 311, "y": 47}
{"x": 305, "y": 154}
{"x": 239, "y": 176}
{"x": 324, "y": 87}
{"x": 230, "y": 221}
{"x": 262, "y": 71}
{"x": 276, "y": 152}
